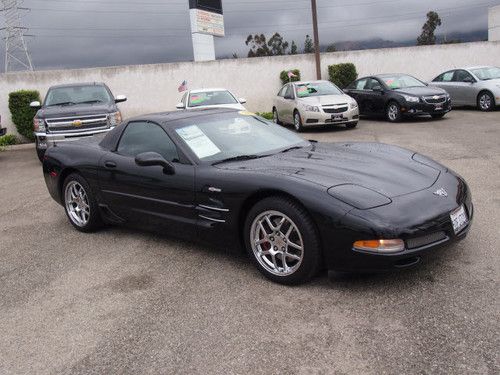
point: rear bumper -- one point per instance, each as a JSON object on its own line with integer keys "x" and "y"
{"x": 417, "y": 109}
{"x": 310, "y": 119}
{"x": 45, "y": 140}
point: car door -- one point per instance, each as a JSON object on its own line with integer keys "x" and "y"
{"x": 464, "y": 87}
{"x": 445, "y": 81}
{"x": 146, "y": 194}
{"x": 358, "y": 92}
{"x": 288, "y": 104}
{"x": 374, "y": 96}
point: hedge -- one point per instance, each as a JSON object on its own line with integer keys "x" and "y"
{"x": 22, "y": 113}
{"x": 266, "y": 115}
{"x": 8, "y": 140}
{"x": 342, "y": 74}
{"x": 284, "y": 76}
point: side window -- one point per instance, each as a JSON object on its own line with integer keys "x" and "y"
{"x": 289, "y": 91}
{"x": 183, "y": 100}
{"x": 360, "y": 85}
{"x": 282, "y": 91}
{"x": 371, "y": 83}
{"x": 461, "y": 75}
{"x": 142, "y": 136}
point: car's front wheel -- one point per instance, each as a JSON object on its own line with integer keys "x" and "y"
{"x": 80, "y": 205}
{"x": 282, "y": 240}
{"x": 393, "y": 112}
{"x": 276, "y": 119}
{"x": 485, "y": 101}
{"x": 40, "y": 152}
{"x": 297, "y": 121}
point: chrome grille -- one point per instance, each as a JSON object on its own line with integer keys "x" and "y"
{"x": 428, "y": 239}
{"x": 335, "y": 108}
{"x": 435, "y": 99}
{"x": 77, "y": 123}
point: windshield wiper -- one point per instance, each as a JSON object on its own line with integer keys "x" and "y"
{"x": 90, "y": 101}
{"x": 62, "y": 103}
{"x": 239, "y": 157}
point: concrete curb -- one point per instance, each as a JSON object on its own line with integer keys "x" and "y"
{"x": 24, "y": 146}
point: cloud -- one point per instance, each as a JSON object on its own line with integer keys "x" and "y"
{"x": 85, "y": 33}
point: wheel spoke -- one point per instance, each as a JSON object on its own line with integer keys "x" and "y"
{"x": 292, "y": 256}
{"x": 294, "y": 245}
{"x": 270, "y": 223}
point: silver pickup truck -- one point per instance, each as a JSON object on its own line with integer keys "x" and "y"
{"x": 74, "y": 111}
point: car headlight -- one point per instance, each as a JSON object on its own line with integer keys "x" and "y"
{"x": 353, "y": 104}
{"x": 115, "y": 118}
{"x": 311, "y": 108}
{"x": 380, "y": 246}
{"x": 39, "y": 125}
{"x": 411, "y": 99}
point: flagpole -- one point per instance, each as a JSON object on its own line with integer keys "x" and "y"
{"x": 316, "y": 38}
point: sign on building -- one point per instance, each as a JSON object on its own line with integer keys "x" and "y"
{"x": 207, "y": 21}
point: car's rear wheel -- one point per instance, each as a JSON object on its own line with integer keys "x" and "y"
{"x": 351, "y": 125}
{"x": 80, "y": 205}
{"x": 393, "y": 112}
{"x": 485, "y": 101}
{"x": 282, "y": 240}
{"x": 297, "y": 121}
{"x": 276, "y": 118}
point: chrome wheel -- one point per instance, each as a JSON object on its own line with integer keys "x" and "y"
{"x": 275, "y": 117}
{"x": 77, "y": 204}
{"x": 296, "y": 121}
{"x": 276, "y": 243}
{"x": 485, "y": 102}
{"x": 393, "y": 112}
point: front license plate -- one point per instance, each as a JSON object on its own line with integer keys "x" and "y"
{"x": 459, "y": 219}
{"x": 337, "y": 117}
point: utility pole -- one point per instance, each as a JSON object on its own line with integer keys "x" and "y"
{"x": 316, "y": 38}
{"x": 17, "y": 56}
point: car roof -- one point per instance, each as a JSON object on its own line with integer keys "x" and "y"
{"x": 170, "y": 116}
{"x": 78, "y": 84}
{"x": 208, "y": 90}
{"x": 307, "y": 82}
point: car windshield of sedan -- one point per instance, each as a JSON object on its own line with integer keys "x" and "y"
{"x": 199, "y": 99}
{"x": 77, "y": 95}
{"x": 305, "y": 90}
{"x": 485, "y": 74}
{"x": 402, "y": 82}
{"x": 216, "y": 139}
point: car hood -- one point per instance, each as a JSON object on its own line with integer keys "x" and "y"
{"x": 75, "y": 110}
{"x": 421, "y": 91}
{"x": 326, "y": 99}
{"x": 385, "y": 169}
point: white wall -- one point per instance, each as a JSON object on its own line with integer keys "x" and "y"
{"x": 153, "y": 88}
{"x": 494, "y": 24}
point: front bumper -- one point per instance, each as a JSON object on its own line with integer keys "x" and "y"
{"x": 423, "y": 108}
{"x": 322, "y": 118}
{"x": 45, "y": 140}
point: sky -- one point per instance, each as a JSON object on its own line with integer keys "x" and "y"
{"x": 90, "y": 33}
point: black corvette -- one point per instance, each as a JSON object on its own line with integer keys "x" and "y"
{"x": 398, "y": 95}
{"x": 235, "y": 180}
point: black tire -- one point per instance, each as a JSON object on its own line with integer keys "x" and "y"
{"x": 438, "y": 116}
{"x": 40, "y": 152}
{"x": 391, "y": 116}
{"x": 485, "y": 101}
{"x": 297, "y": 122}
{"x": 94, "y": 221}
{"x": 351, "y": 125}
{"x": 276, "y": 118}
{"x": 311, "y": 249}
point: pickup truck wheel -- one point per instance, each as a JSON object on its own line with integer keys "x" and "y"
{"x": 40, "y": 152}
{"x": 80, "y": 205}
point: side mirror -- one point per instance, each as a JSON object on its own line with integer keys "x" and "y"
{"x": 180, "y": 106}
{"x": 377, "y": 88}
{"x": 242, "y": 100}
{"x": 468, "y": 80}
{"x": 35, "y": 104}
{"x": 120, "y": 98}
{"x": 148, "y": 159}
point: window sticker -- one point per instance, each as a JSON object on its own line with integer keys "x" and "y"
{"x": 198, "y": 98}
{"x": 201, "y": 145}
{"x": 302, "y": 91}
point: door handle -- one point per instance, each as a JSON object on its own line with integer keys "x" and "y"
{"x": 110, "y": 164}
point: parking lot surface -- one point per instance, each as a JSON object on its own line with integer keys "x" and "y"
{"x": 122, "y": 301}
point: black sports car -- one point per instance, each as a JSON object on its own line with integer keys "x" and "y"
{"x": 397, "y": 96}
{"x": 238, "y": 181}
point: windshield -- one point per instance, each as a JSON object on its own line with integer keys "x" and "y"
{"x": 484, "y": 74}
{"x": 401, "y": 82}
{"x": 230, "y": 135}
{"x": 211, "y": 98}
{"x": 305, "y": 90}
{"x": 77, "y": 95}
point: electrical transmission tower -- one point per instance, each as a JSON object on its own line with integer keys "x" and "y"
{"x": 17, "y": 56}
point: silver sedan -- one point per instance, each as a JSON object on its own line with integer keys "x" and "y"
{"x": 315, "y": 103}
{"x": 476, "y": 86}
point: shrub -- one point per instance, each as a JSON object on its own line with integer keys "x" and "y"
{"x": 22, "y": 113}
{"x": 266, "y": 115}
{"x": 342, "y": 74}
{"x": 284, "y": 76}
{"x": 8, "y": 140}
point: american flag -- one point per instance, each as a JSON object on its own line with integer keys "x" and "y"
{"x": 290, "y": 74}
{"x": 183, "y": 86}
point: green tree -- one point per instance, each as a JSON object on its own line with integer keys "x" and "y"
{"x": 308, "y": 45}
{"x": 293, "y": 48}
{"x": 258, "y": 45}
{"x": 277, "y": 45}
{"x": 427, "y": 37}
{"x": 331, "y": 48}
